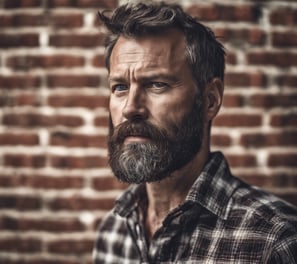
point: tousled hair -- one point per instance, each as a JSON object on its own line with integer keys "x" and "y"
{"x": 204, "y": 53}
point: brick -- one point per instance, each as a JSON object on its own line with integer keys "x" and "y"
{"x": 101, "y": 121}
{"x": 245, "y": 160}
{"x": 28, "y": 99}
{"x": 17, "y": 244}
{"x": 60, "y": 224}
{"x": 52, "y": 61}
{"x": 283, "y": 160}
{"x": 86, "y": 101}
{"x": 269, "y": 139}
{"x": 108, "y": 183}
{"x": 278, "y": 59}
{"x": 284, "y": 120}
{"x": 39, "y": 120}
{"x": 39, "y": 260}
{"x": 238, "y": 120}
{"x": 220, "y": 140}
{"x": 78, "y": 140}
{"x": 287, "y": 80}
{"x": 83, "y": 3}
{"x": 62, "y": 21}
{"x": 272, "y": 100}
{"x": 67, "y": 80}
{"x": 19, "y": 40}
{"x": 24, "y": 160}
{"x": 233, "y": 100}
{"x": 76, "y": 203}
{"x": 98, "y": 61}
{"x": 66, "y": 246}
{"x": 18, "y": 139}
{"x": 283, "y": 16}
{"x": 241, "y": 79}
{"x": 22, "y": 20}
{"x": 21, "y": 4}
{"x": 284, "y": 39}
{"x": 77, "y": 40}
{"x": 19, "y": 202}
{"x": 19, "y": 81}
{"x": 241, "y": 37}
{"x": 217, "y": 12}
{"x": 80, "y": 162}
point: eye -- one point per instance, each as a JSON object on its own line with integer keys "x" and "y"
{"x": 158, "y": 86}
{"x": 118, "y": 88}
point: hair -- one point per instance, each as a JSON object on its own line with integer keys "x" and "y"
{"x": 205, "y": 54}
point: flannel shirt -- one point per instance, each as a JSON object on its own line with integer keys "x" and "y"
{"x": 223, "y": 220}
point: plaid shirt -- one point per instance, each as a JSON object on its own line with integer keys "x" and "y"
{"x": 223, "y": 220}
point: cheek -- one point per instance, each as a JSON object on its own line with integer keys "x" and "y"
{"x": 115, "y": 113}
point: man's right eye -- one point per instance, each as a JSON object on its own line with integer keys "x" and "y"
{"x": 117, "y": 88}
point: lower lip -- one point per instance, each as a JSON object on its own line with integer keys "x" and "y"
{"x": 135, "y": 139}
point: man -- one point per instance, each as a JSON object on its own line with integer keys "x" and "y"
{"x": 166, "y": 75}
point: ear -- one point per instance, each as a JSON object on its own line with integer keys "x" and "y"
{"x": 213, "y": 95}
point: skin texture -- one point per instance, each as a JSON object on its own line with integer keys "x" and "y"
{"x": 150, "y": 79}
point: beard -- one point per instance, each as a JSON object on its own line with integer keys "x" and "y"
{"x": 165, "y": 151}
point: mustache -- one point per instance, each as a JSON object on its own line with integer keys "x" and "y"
{"x": 139, "y": 128}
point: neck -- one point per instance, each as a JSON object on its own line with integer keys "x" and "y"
{"x": 166, "y": 195}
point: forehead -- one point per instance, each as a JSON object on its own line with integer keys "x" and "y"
{"x": 166, "y": 50}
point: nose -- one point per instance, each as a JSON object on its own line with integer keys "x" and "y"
{"x": 135, "y": 106}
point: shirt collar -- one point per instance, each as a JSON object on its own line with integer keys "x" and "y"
{"x": 212, "y": 190}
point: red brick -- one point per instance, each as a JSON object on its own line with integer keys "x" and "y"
{"x": 24, "y": 160}
{"x": 284, "y": 120}
{"x": 39, "y": 120}
{"x": 68, "y": 80}
{"x": 17, "y": 244}
{"x": 62, "y": 21}
{"x": 284, "y": 39}
{"x": 67, "y": 246}
{"x": 220, "y": 140}
{"x": 269, "y": 139}
{"x": 19, "y": 40}
{"x": 21, "y": 4}
{"x": 248, "y": 13}
{"x": 59, "y": 224}
{"x": 52, "y": 61}
{"x": 283, "y": 160}
{"x": 246, "y": 160}
{"x": 78, "y": 40}
{"x": 20, "y": 81}
{"x": 233, "y": 100}
{"x": 28, "y": 99}
{"x": 273, "y": 100}
{"x": 98, "y": 61}
{"x": 238, "y": 120}
{"x": 279, "y": 59}
{"x": 76, "y": 203}
{"x": 86, "y": 101}
{"x": 19, "y": 202}
{"x": 39, "y": 260}
{"x": 101, "y": 121}
{"x": 287, "y": 80}
{"x": 19, "y": 139}
{"x": 107, "y": 183}
{"x": 283, "y": 16}
{"x": 81, "y": 162}
{"x": 78, "y": 140}
{"x": 22, "y": 20}
{"x": 83, "y": 3}
{"x": 241, "y": 79}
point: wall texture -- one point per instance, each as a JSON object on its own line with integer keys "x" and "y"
{"x": 55, "y": 184}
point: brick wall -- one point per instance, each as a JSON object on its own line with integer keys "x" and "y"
{"x": 55, "y": 184}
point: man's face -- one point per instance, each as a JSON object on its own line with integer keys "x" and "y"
{"x": 155, "y": 108}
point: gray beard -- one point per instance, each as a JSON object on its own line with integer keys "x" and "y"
{"x": 162, "y": 154}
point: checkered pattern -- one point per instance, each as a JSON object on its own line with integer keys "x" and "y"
{"x": 223, "y": 220}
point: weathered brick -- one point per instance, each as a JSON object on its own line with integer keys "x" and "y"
{"x": 77, "y": 40}
{"x": 287, "y": 80}
{"x": 272, "y": 100}
{"x": 243, "y": 79}
{"x": 283, "y": 16}
{"x": 284, "y": 120}
{"x": 29, "y": 245}
{"x": 101, "y": 121}
{"x": 67, "y": 246}
{"x": 241, "y": 160}
{"x": 27, "y": 81}
{"x": 82, "y": 80}
{"x": 107, "y": 183}
{"x": 19, "y": 40}
{"x": 98, "y": 60}
{"x": 24, "y": 160}
{"x": 86, "y": 101}
{"x": 50, "y": 61}
{"x": 77, "y": 140}
{"x": 83, "y": 3}
{"x": 19, "y": 139}
{"x": 284, "y": 39}
{"x": 81, "y": 162}
{"x": 283, "y": 160}
{"x": 39, "y": 120}
{"x": 220, "y": 140}
{"x": 21, "y": 4}
{"x": 233, "y": 100}
{"x": 238, "y": 120}
{"x": 279, "y": 59}
{"x": 19, "y": 202}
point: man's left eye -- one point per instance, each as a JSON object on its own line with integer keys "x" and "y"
{"x": 158, "y": 85}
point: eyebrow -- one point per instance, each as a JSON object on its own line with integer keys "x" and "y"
{"x": 145, "y": 78}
